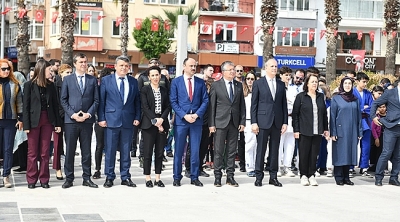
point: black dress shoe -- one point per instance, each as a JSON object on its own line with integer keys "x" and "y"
{"x": 275, "y": 182}
{"x": 164, "y": 159}
{"x": 187, "y": 173}
{"x": 31, "y": 186}
{"x": 340, "y": 183}
{"x": 20, "y": 170}
{"x": 149, "y": 184}
{"x": 217, "y": 182}
{"x": 231, "y": 181}
{"x": 197, "y": 183}
{"x": 59, "y": 178}
{"x": 242, "y": 169}
{"x": 176, "y": 183}
{"x": 89, "y": 183}
{"x": 170, "y": 154}
{"x": 348, "y": 182}
{"x": 109, "y": 183}
{"x": 159, "y": 183}
{"x": 67, "y": 184}
{"x": 44, "y": 185}
{"x": 394, "y": 182}
{"x": 204, "y": 174}
{"x": 378, "y": 183}
{"x": 96, "y": 175}
{"x": 258, "y": 183}
{"x": 133, "y": 154}
{"x": 128, "y": 182}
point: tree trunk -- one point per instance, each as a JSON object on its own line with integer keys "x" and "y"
{"x": 390, "y": 54}
{"x": 23, "y": 40}
{"x": 330, "y": 54}
{"x": 124, "y": 27}
{"x": 67, "y": 31}
{"x": 268, "y": 48}
{"x": 269, "y": 15}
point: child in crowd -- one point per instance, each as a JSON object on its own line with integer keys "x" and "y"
{"x": 377, "y": 131}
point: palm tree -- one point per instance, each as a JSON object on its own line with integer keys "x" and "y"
{"x": 391, "y": 16}
{"x": 172, "y": 16}
{"x": 269, "y": 14}
{"x": 124, "y": 27}
{"x": 332, "y": 24}
{"x": 23, "y": 38}
{"x": 68, "y": 22}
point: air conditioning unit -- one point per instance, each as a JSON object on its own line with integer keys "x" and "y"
{"x": 260, "y": 37}
{"x": 40, "y": 52}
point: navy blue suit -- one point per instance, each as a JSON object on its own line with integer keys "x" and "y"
{"x": 73, "y": 100}
{"x": 182, "y": 105}
{"x": 119, "y": 118}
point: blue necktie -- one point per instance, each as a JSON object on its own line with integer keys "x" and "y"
{"x": 81, "y": 83}
{"x": 231, "y": 92}
{"x": 122, "y": 88}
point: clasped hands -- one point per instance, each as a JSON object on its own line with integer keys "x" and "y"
{"x": 80, "y": 116}
{"x": 213, "y": 129}
{"x": 255, "y": 129}
{"x": 191, "y": 118}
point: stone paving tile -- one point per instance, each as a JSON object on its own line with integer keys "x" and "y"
{"x": 10, "y": 217}
{"x": 82, "y": 217}
{"x": 125, "y": 221}
{"x": 42, "y": 217}
{"x": 41, "y": 211}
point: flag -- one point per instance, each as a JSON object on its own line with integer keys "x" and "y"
{"x": 167, "y": 26}
{"x": 359, "y": 35}
{"x": 271, "y": 30}
{"x": 118, "y": 21}
{"x": 99, "y": 17}
{"x": 39, "y": 15}
{"x": 348, "y": 32}
{"x": 74, "y": 15}
{"x": 335, "y": 32}
{"x": 358, "y": 56}
{"x": 321, "y": 34}
{"x": 218, "y": 28}
{"x": 54, "y": 17}
{"x": 311, "y": 33}
{"x": 154, "y": 25}
{"x": 138, "y": 23}
{"x": 22, "y": 13}
{"x": 257, "y": 30}
{"x": 6, "y": 10}
{"x": 372, "y": 35}
{"x": 384, "y": 32}
{"x": 229, "y": 26}
{"x": 296, "y": 32}
{"x": 394, "y": 34}
{"x": 284, "y": 32}
{"x": 244, "y": 29}
{"x": 87, "y": 18}
{"x": 194, "y": 23}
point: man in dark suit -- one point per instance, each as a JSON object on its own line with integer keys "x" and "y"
{"x": 189, "y": 100}
{"x": 227, "y": 117}
{"x": 119, "y": 112}
{"x": 391, "y": 134}
{"x": 269, "y": 118}
{"x": 79, "y": 99}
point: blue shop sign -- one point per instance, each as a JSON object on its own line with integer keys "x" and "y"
{"x": 12, "y": 52}
{"x": 294, "y": 62}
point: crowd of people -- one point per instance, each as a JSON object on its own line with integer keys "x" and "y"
{"x": 212, "y": 122}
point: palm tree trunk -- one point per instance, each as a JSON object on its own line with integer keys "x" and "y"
{"x": 332, "y": 24}
{"x": 268, "y": 48}
{"x": 67, "y": 31}
{"x": 391, "y": 16}
{"x": 269, "y": 15}
{"x": 124, "y": 27}
{"x": 391, "y": 46}
{"x": 23, "y": 40}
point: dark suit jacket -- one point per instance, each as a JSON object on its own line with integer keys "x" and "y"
{"x": 222, "y": 110}
{"x": 111, "y": 107}
{"x": 73, "y": 101}
{"x": 391, "y": 99}
{"x": 32, "y": 105}
{"x": 264, "y": 110}
{"x": 148, "y": 107}
{"x": 181, "y": 103}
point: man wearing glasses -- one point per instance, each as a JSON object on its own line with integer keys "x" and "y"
{"x": 241, "y": 142}
{"x": 239, "y": 73}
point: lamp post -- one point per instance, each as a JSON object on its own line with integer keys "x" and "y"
{"x": 3, "y": 21}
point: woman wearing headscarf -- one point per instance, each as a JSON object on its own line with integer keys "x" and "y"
{"x": 345, "y": 130}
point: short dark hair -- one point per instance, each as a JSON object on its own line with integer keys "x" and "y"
{"x": 208, "y": 65}
{"x": 105, "y": 72}
{"x": 352, "y": 72}
{"x": 53, "y": 61}
{"x": 153, "y": 68}
{"x": 384, "y": 81}
{"x": 322, "y": 80}
{"x": 377, "y": 89}
{"x": 312, "y": 69}
{"x": 300, "y": 70}
{"x": 78, "y": 55}
{"x": 305, "y": 87}
{"x": 361, "y": 76}
{"x": 153, "y": 59}
{"x": 285, "y": 69}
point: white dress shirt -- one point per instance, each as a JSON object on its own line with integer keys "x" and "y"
{"x": 126, "y": 86}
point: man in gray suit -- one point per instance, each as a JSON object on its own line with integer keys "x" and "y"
{"x": 391, "y": 134}
{"x": 227, "y": 118}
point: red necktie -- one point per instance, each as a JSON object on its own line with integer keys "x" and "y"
{"x": 190, "y": 89}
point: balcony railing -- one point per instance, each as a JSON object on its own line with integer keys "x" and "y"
{"x": 361, "y": 14}
{"x": 245, "y": 47}
{"x": 227, "y": 6}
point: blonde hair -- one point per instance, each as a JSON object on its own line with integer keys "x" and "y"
{"x": 63, "y": 68}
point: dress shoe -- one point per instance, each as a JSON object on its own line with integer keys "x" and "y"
{"x": 340, "y": 183}
{"x": 128, "y": 182}
{"x": 170, "y": 154}
{"x": 159, "y": 183}
{"x": 217, "y": 182}
{"x": 378, "y": 183}
{"x": 31, "y": 186}
{"x": 176, "y": 183}
{"x": 348, "y": 182}
{"x": 20, "y": 170}
{"x": 133, "y": 154}
{"x": 149, "y": 184}
{"x": 232, "y": 182}
{"x": 258, "y": 183}
{"x": 59, "y": 178}
{"x": 89, "y": 183}
{"x": 242, "y": 169}
{"x": 109, "y": 183}
{"x": 164, "y": 159}
{"x": 275, "y": 182}
{"x": 67, "y": 184}
{"x": 197, "y": 183}
{"x": 394, "y": 182}
{"x": 187, "y": 173}
{"x": 204, "y": 174}
{"x": 45, "y": 185}
{"x": 96, "y": 175}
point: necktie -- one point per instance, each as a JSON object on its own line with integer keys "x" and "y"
{"x": 122, "y": 88}
{"x": 273, "y": 89}
{"x": 230, "y": 92}
{"x": 190, "y": 89}
{"x": 81, "y": 83}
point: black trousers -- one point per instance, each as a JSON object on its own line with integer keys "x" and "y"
{"x": 230, "y": 135}
{"x": 341, "y": 173}
{"x": 241, "y": 150}
{"x": 134, "y": 139}
{"x": 205, "y": 142}
{"x": 308, "y": 153}
{"x": 153, "y": 139}
{"x": 272, "y": 138}
{"x": 99, "y": 131}
{"x": 20, "y": 156}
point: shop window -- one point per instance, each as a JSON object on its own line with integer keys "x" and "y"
{"x": 115, "y": 30}
{"x": 301, "y": 39}
{"x": 293, "y": 5}
{"x": 227, "y": 31}
{"x": 361, "y": 9}
{"x": 345, "y": 43}
{"x": 92, "y": 27}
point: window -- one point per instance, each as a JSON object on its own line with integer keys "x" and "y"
{"x": 55, "y": 28}
{"x": 347, "y": 42}
{"x": 361, "y": 9}
{"x": 92, "y": 27}
{"x": 115, "y": 30}
{"x": 301, "y": 39}
{"x": 13, "y": 34}
{"x": 152, "y": 1}
{"x": 54, "y": 3}
{"x": 36, "y": 30}
{"x": 171, "y": 2}
{"x": 227, "y": 31}
{"x": 294, "y": 5}
{"x": 398, "y": 44}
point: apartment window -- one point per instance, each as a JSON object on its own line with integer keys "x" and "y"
{"x": 55, "y": 28}
{"x": 398, "y": 44}
{"x": 227, "y": 31}
{"x": 13, "y": 34}
{"x": 171, "y": 2}
{"x": 54, "y": 3}
{"x": 294, "y": 5}
{"x": 152, "y": 1}
{"x": 347, "y": 42}
{"x": 36, "y": 30}
{"x": 361, "y": 9}
{"x": 92, "y": 27}
{"x": 301, "y": 39}
{"x": 115, "y": 30}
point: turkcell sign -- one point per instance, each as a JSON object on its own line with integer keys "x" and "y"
{"x": 294, "y": 62}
